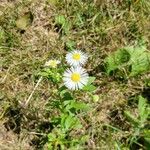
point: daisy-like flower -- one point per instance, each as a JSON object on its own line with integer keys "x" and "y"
{"x": 76, "y": 58}
{"x": 52, "y": 63}
{"x": 75, "y": 78}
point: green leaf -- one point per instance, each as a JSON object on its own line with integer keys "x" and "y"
{"x": 89, "y": 88}
{"x": 141, "y": 64}
{"x": 51, "y": 137}
{"x": 136, "y": 58}
{"x": 24, "y": 21}
{"x": 51, "y": 74}
{"x": 66, "y": 27}
{"x": 135, "y": 52}
{"x": 80, "y": 106}
{"x": 144, "y": 110}
{"x": 146, "y": 135}
{"x": 61, "y": 21}
{"x": 91, "y": 80}
{"x": 131, "y": 118}
{"x": 44, "y": 74}
{"x": 66, "y": 95}
{"x": 79, "y": 20}
{"x": 116, "y": 59}
{"x": 68, "y": 122}
{"x": 70, "y": 45}
{"x": 140, "y": 59}
{"x": 76, "y": 105}
{"x": 142, "y": 106}
{"x": 84, "y": 138}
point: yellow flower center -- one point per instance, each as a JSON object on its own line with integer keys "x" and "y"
{"x": 75, "y": 77}
{"x": 76, "y": 56}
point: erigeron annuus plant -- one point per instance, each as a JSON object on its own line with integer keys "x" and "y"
{"x": 69, "y": 79}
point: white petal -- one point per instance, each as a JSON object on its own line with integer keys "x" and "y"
{"x": 72, "y": 62}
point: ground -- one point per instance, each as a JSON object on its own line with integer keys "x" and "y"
{"x": 34, "y": 31}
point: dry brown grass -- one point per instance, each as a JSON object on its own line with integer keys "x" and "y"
{"x": 115, "y": 26}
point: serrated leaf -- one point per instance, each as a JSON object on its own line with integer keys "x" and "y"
{"x": 131, "y": 118}
{"x": 135, "y": 52}
{"x": 141, "y": 64}
{"x": 24, "y": 21}
{"x": 140, "y": 59}
{"x": 116, "y": 59}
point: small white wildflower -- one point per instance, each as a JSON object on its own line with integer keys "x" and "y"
{"x": 52, "y": 63}
{"x": 75, "y": 78}
{"x": 76, "y": 58}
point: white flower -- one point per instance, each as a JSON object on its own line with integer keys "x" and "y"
{"x": 75, "y": 78}
{"x": 76, "y": 58}
{"x": 52, "y": 63}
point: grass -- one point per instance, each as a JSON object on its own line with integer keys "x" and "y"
{"x": 48, "y": 29}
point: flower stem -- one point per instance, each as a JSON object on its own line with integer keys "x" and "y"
{"x": 29, "y": 98}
